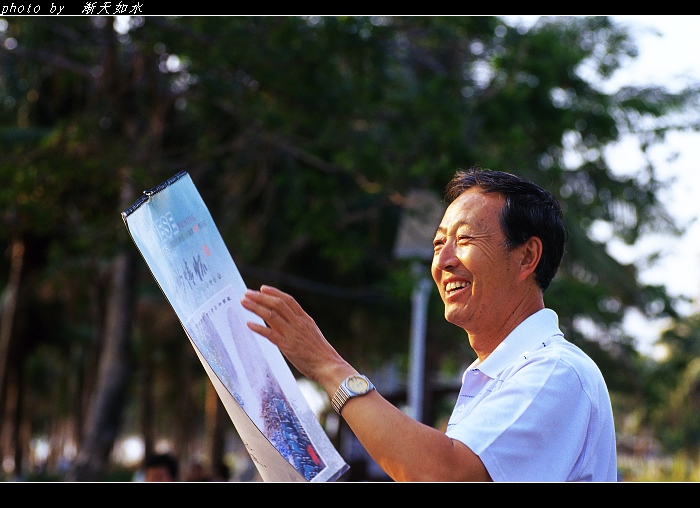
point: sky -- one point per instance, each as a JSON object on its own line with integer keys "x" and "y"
{"x": 668, "y": 47}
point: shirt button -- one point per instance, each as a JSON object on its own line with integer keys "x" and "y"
{"x": 460, "y": 408}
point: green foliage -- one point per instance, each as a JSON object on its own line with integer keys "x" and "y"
{"x": 674, "y": 409}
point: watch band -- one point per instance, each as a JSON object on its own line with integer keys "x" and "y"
{"x": 340, "y": 398}
{"x": 344, "y": 393}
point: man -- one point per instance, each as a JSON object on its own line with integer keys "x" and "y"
{"x": 532, "y": 407}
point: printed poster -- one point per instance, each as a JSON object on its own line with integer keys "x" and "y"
{"x": 177, "y": 237}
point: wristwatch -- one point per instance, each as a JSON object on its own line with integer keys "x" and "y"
{"x": 353, "y": 386}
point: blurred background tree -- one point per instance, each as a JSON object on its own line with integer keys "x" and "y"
{"x": 304, "y": 135}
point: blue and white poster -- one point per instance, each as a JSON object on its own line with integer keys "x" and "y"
{"x": 177, "y": 237}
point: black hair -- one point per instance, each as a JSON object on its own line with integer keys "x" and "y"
{"x": 160, "y": 460}
{"x": 529, "y": 210}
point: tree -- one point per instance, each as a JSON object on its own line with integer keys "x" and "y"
{"x": 675, "y": 396}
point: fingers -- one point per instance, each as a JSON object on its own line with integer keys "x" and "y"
{"x": 253, "y": 301}
{"x": 283, "y": 299}
{"x": 261, "y": 304}
{"x": 263, "y": 330}
{"x": 269, "y": 304}
{"x": 285, "y": 319}
{"x": 291, "y": 329}
{"x": 280, "y": 311}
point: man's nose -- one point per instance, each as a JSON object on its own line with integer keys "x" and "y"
{"x": 446, "y": 258}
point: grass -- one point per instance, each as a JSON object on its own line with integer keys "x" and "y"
{"x": 679, "y": 468}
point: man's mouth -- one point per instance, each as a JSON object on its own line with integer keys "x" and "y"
{"x": 452, "y": 287}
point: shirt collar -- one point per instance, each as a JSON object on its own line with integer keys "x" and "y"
{"x": 533, "y": 333}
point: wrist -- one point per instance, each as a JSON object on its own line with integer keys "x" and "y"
{"x": 355, "y": 385}
{"x": 333, "y": 376}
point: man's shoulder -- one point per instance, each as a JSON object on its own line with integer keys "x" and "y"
{"x": 567, "y": 360}
{"x": 560, "y": 349}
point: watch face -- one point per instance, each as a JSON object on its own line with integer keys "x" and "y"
{"x": 357, "y": 384}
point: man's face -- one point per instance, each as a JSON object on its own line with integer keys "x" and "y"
{"x": 474, "y": 272}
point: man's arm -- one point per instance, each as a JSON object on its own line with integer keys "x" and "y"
{"x": 405, "y": 448}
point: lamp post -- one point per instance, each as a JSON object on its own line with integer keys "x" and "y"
{"x": 422, "y": 213}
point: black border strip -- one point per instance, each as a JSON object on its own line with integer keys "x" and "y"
{"x": 151, "y": 192}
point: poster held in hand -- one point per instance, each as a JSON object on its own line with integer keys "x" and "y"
{"x": 177, "y": 237}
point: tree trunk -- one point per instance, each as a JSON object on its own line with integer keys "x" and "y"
{"x": 146, "y": 402}
{"x": 188, "y": 433}
{"x": 218, "y": 441}
{"x": 9, "y": 305}
{"x": 104, "y": 417}
{"x": 19, "y": 425}
{"x": 105, "y": 414}
{"x": 210, "y": 418}
{"x": 7, "y": 318}
{"x": 217, "y": 424}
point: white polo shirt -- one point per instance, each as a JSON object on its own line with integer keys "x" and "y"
{"x": 537, "y": 409}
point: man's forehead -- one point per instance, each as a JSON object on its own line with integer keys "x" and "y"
{"x": 473, "y": 207}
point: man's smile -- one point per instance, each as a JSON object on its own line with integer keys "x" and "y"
{"x": 455, "y": 286}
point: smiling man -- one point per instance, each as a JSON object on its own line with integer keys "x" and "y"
{"x": 532, "y": 406}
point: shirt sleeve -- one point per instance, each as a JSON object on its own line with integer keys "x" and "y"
{"x": 532, "y": 428}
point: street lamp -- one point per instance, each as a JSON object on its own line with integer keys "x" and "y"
{"x": 421, "y": 216}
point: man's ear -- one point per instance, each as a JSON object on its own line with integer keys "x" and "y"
{"x": 531, "y": 255}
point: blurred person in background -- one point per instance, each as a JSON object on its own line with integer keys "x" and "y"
{"x": 196, "y": 472}
{"x": 221, "y": 473}
{"x": 160, "y": 467}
